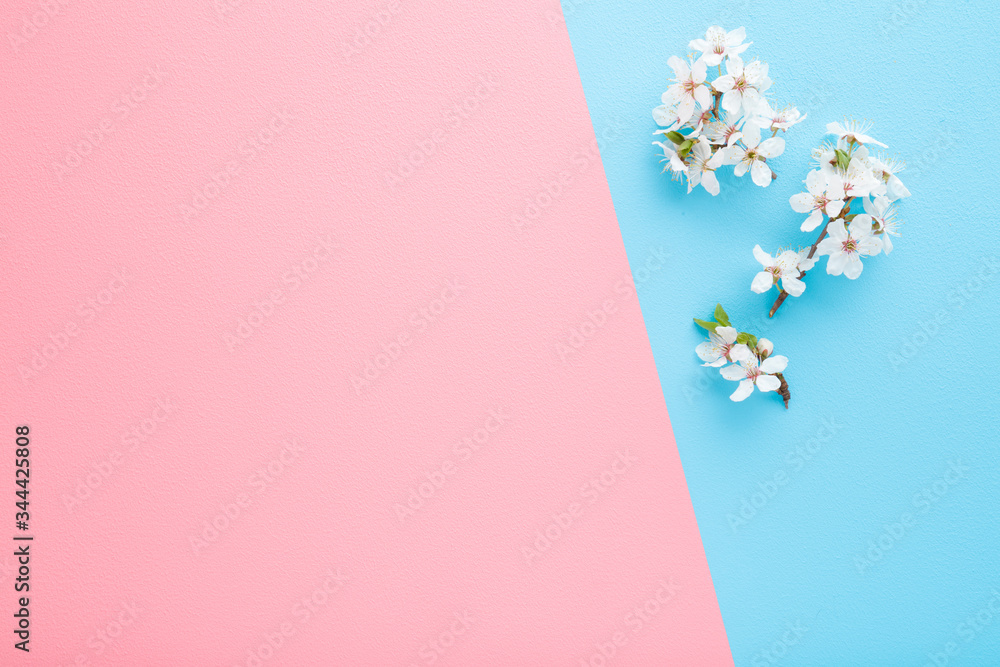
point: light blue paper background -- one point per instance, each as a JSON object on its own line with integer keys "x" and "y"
{"x": 926, "y": 73}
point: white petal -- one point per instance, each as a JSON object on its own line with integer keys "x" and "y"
{"x": 707, "y": 351}
{"x": 680, "y": 67}
{"x": 775, "y": 364}
{"x": 896, "y": 189}
{"x": 833, "y": 208}
{"x": 762, "y": 257}
{"x": 772, "y": 147}
{"x": 740, "y": 352}
{"x": 760, "y": 173}
{"x": 835, "y": 265}
{"x": 727, "y": 334}
{"x": 861, "y": 226}
{"x": 886, "y": 243}
{"x": 837, "y": 230}
{"x": 744, "y": 390}
{"x": 698, "y": 71}
{"x": 724, "y": 83}
{"x": 792, "y": 285}
{"x": 812, "y": 222}
{"x": 734, "y": 372}
{"x": 710, "y": 182}
{"x": 803, "y": 202}
{"x": 732, "y": 101}
{"x": 816, "y": 183}
{"x": 762, "y": 282}
{"x": 768, "y": 383}
{"x": 854, "y": 266}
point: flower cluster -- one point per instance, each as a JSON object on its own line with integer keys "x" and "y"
{"x": 751, "y": 360}
{"x": 852, "y": 194}
{"x": 710, "y": 124}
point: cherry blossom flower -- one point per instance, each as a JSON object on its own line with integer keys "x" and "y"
{"x": 703, "y": 166}
{"x": 670, "y": 156}
{"x": 816, "y": 201}
{"x": 884, "y": 218}
{"x": 752, "y": 153}
{"x": 741, "y": 85}
{"x": 727, "y": 132}
{"x": 783, "y": 268}
{"x": 847, "y": 245}
{"x": 764, "y": 348}
{"x": 749, "y": 373}
{"x": 689, "y": 87}
{"x": 885, "y": 169}
{"x": 852, "y": 131}
{"x": 859, "y": 181}
{"x": 721, "y": 347}
{"x": 778, "y": 120}
{"x": 719, "y": 44}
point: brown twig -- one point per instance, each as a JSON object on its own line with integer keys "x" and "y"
{"x": 782, "y": 295}
{"x": 783, "y": 389}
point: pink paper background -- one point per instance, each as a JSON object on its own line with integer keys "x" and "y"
{"x": 289, "y": 132}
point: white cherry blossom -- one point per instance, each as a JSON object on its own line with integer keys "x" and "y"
{"x": 749, "y": 373}
{"x": 852, "y": 131}
{"x": 783, "y": 269}
{"x": 816, "y": 201}
{"x": 719, "y": 44}
{"x": 741, "y": 84}
{"x": 752, "y": 153}
{"x": 847, "y": 245}
{"x": 721, "y": 347}
{"x": 670, "y": 156}
{"x": 690, "y": 86}
{"x": 883, "y": 216}
{"x": 703, "y": 166}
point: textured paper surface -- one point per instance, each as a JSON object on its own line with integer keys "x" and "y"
{"x": 274, "y": 272}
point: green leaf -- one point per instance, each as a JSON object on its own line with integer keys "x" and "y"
{"x": 843, "y": 159}
{"x": 675, "y": 137}
{"x": 743, "y": 338}
{"x": 706, "y": 325}
{"x": 720, "y": 315}
{"x": 751, "y": 341}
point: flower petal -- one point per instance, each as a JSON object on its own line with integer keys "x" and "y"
{"x": 772, "y": 147}
{"x": 792, "y": 285}
{"x": 762, "y": 257}
{"x": 768, "y": 383}
{"x": 762, "y": 282}
{"x": 734, "y": 372}
{"x": 853, "y": 268}
{"x": 760, "y": 173}
{"x": 744, "y": 390}
{"x": 812, "y": 222}
{"x": 727, "y": 334}
{"x": 836, "y": 263}
{"x": 803, "y": 202}
{"x": 776, "y": 364}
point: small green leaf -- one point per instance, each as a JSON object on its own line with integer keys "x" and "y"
{"x": 743, "y": 338}
{"x": 720, "y": 315}
{"x": 751, "y": 341}
{"x": 675, "y": 137}
{"x": 706, "y": 325}
{"x": 843, "y": 159}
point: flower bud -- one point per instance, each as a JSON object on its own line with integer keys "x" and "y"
{"x": 764, "y": 348}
